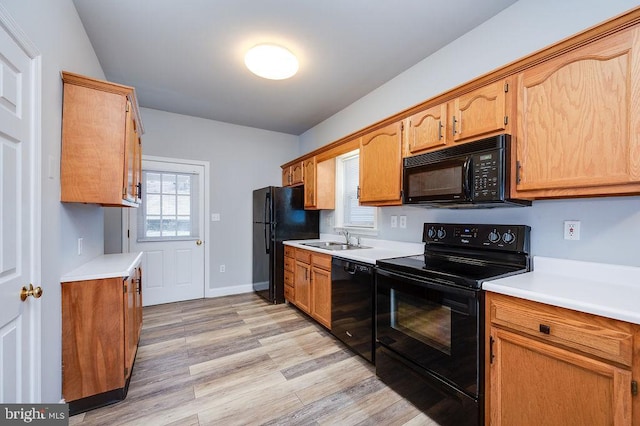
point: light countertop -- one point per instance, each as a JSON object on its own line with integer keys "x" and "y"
{"x": 105, "y": 266}
{"x": 611, "y": 291}
{"x": 379, "y": 249}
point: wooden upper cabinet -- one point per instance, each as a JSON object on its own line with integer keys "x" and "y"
{"x": 286, "y": 176}
{"x": 427, "y": 129}
{"x": 310, "y": 182}
{"x": 293, "y": 175}
{"x": 101, "y": 147}
{"x": 579, "y": 123}
{"x": 481, "y": 112}
{"x": 319, "y": 184}
{"x": 381, "y": 166}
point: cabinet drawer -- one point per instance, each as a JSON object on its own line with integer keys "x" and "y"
{"x": 321, "y": 261}
{"x": 289, "y": 264}
{"x": 303, "y": 256}
{"x": 289, "y": 293}
{"x": 591, "y": 334}
{"x": 288, "y": 278}
{"x": 289, "y": 251}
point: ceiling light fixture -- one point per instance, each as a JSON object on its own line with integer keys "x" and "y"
{"x": 271, "y": 61}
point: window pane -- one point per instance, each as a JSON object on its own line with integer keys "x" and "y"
{"x": 152, "y": 226}
{"x": 153, "y": 183}
{"x": 184, "y": 184}
{"x": 168, "y": 205}
{"x": 153, "y": 204}
{"x": 184, "y": 226}
{"x": 169, "y": 227}
{"x": 184, "y": 205}
{"x": 168, "y": 184}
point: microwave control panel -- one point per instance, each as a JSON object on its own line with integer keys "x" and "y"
{"x": 488, "y": 175}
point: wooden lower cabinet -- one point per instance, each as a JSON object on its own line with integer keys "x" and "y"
{"x": 321, "y": 289}
{"x": 101, "y": 324}
{"x": 312, "y": 285}
{"x": 548, "y": 365}
{"x": 289, "y": 273}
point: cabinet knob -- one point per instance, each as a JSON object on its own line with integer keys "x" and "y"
{"x": 26, "y": 292}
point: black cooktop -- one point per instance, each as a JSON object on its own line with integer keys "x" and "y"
{"x": 466, "y": 255}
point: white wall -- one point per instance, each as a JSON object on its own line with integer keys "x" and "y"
{"x": 241, "y": 159}
{"x": 610, "y": 226}
{"x": 55, "y": 29}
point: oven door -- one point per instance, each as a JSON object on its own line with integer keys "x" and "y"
{"x": 444, "y": 181}
{"x": 434, "y": 325}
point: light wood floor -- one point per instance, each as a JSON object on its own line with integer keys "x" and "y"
{"x": 237, "y": 360}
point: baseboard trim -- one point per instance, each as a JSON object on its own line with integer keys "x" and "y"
{"x": 228, "y": 291}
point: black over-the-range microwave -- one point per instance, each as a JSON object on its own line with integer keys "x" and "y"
{"x": 471, "y": 175}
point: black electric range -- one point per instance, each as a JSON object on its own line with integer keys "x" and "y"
{"x": 430, "y": 315}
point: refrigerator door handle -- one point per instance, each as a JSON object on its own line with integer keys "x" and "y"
{"x": 267, "y": 222}
{"x": 267, "y": 208}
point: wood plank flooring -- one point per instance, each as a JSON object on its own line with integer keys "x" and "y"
{"x": 238, "y": 360}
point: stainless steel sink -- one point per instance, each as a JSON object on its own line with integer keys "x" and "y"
{"x": 334, "y": 245}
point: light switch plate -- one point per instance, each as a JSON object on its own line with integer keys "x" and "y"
{"x": 215, "y": 217}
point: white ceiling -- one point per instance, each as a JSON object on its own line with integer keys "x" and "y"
{"x": 186, "y": 56}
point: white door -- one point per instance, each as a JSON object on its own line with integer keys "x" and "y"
{"x": 169, "y": 229}
{"x": 19, "y": 226}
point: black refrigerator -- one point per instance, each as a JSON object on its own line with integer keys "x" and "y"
{"x": 278, "y": 215}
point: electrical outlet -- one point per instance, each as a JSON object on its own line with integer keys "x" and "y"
{"x": 80, "y": 246}
{"x": 215, "y": 217}
{"x": 403, "y": 221}
{"x": 394, "y": 221}
{"x": 572, "y": 230}
{"x": 222, "y": 268}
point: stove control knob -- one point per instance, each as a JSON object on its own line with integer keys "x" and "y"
{"x": 494, "y": 237}
{"x": 441, "y": 233}
{"x": 431, "y": 232}
{"x": 508, "y": 237}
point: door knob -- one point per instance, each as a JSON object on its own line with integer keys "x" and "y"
{"x": 199, "y": 242}
{"x": 26, "y": 292}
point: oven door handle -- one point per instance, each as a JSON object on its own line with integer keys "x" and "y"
{"x": 421, "y": 282}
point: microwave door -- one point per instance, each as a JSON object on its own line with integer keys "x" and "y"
{"x": 444, "y": 181}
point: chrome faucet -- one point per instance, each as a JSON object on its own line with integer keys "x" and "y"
{"x": 346, "y": 235}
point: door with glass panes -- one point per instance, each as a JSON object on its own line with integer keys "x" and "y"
{"x": 169, "y": 231}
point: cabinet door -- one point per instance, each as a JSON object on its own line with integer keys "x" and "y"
{"x": 310, "y": 183}
{"x": 480, "y": 112}
{"x": 321, "y": 296}
{"x": 381, "y": 166}
{"x": 130, "y": 190}
{"x": 302, "y": 289}
{"x": 92, "y": 337}
{"x": 533, "y": 383}
{"x": 286, "y": 176}
{"x": 578, "y": 121}
{"x": 427, "y": 129}
{"x": 298, "y": 174}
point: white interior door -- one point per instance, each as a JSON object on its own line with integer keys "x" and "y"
{"x": 169, "y": 229}
{"x": 19, "y": 225}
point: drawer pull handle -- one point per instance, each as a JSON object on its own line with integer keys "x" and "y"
{"x": 545, "y": 329}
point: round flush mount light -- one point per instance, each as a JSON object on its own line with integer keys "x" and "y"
{"x": 271, "y": 61}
